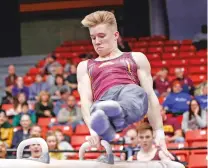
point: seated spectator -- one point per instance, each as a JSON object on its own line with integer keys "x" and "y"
{"x": 52, "y": 142}
{"x": 194, "y": 118}
{"x": 186, "y": 82}
{"x": 8, "y": 98}
{"x": 172, "y": 128}
{"x": 177, "y": 101}
{"x": 71, "y": 80}
{"x": 37, "y": 87}
{"x": 6, "y": 130}
{"x": 63, "y": 144}
{"x": 132, "y": 140}
{"x": 71, "y": 114}
{"x": 10, "y": 80}
{"x": 123, "y": 45}
{"x": 35, "y": 131}
{"x": 161, "y": 83}
{"x": 200, "y": 39}
{"x": 62, "y": 102}
{"x": 202, "y": 99}
{"x": 50, "y": 65}
{"x": 3, "y": 150}
{"x": 20, "y": 88}
{"x": 148, "y": 151}
{"x": 23, "y": 133}
{"x": 68, "y": 65}
{"x": 59, "y": 84}
{"x": 199, "y": 88}
{"x": 51, "y": 78}
{"x": 25, "y": 110}
{"x": 44, "y": 106}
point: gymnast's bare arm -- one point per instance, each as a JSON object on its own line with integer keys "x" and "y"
{"x": 85, "y": 91}
{"x": 154, "y": 116}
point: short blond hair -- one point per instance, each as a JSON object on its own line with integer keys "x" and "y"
{"x": 99, "y": 17}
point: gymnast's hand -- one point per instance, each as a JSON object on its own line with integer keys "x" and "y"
{"x": 94, "y": 139}
{"x": 161, "y": 143}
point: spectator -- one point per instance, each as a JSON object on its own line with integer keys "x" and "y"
{"x": 59, "y": 84}
{"x": 11, "y": 78}
{"x": 123, "y": 45}
{"x": 6, "y": 130}
{"x": 186, "y": 82}
{"x": 52, "y": 142}
{"x": 37, "y": 87}
{"x": 61, "y": 103}
{"x": 200, "y": 39}
{"x": 148, "y": 151}
{"x": 71, "y": 114}
{"x": 161, "y": 83}
{"x": 195, "y": 118}
{"x": 18, "y": 104}
{"x": 50, "y": 65}
{"x": 132, "y": 140}
{"x": 3, "y": 150}
{"x": 35, "y": 131}
{"x": 71, "y": 80}
{"x": 202, "y": 99}
{"x": 20, "y": 88}
{"x": 23, "y": 133}
{"x": 25, "y": 110}
{"x": 172, "y": 128}
{"x": 177, "y": 101}
{"x": 8, "y": 99}
{"x": 63, "y": 144}
{"x": 51, "y": 78}
{"x": 44, "y": 107}
{"x": 68, "y": 65}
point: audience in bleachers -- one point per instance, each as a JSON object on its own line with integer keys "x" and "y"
{"x": 177, "y": 101}
{"x": 195, "y": 117}
{"x": 186, "y": 82}
{"x": 71, "y": 79}
{"x": 24, "y": 132}
{"x": 44, "y": 105}
{"x": 10, "y": 80}
{"x": 161, "y": 82}
{"x": 25, "y": 110}
{"x": 20, "y": 88}
{"x": 19, "y": 100}
{"x": 3, "y": 150}
{"x": 172, "y": 128}
{"x": 52, "y": 142}
{"x": 6, "y": 129}
{"x": 202, "y": 99}
{"x": 67, "y": 66}
{"x": 37, "y": 87}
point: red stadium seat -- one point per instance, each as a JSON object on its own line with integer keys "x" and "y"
{"x": 196, "y": 135}
{"x": 155, "y": 49}
{"x": 75, "y": 93}
{"x": 41, "y": 63}
{"x": 77, "y": 140}
{"x": 198, "y": 161}
{"x": 45, "y": 121}
{"x": 202, "y": 53}
{"x": 172, "y": 70}
{"x": 198, "y": 145}
{"x": 7, "y": 106}
{"x": 28, "y": 80}
{"x": 33, "y": 71}
{"x": 63, "y": 49}
{"x": 64, "y": 55}
{"x": 143, "y": 50}
{"x": 171, "y": 48}
{"x": 76, "y": 60}
{"x": 187, "y": 48}
{"x": 172, "y": 42}
{"x": 186, "y": 42}
{"x": 158, "y": 64}
{"x": 172, "y": 55}
{"x": 197, "y": 69}
{"x": 89, "y": 48}
{"x": 179, "y": 63}
{"x": 82, "y": 129}
{"x": 67, "y": 130}
{"x": 156, "y": 43}
{"x": 62, "y": 61}
{"x": 155, "y": 70}
{"x": 185, "y": 55}
{"x": 153, "y": 56}
{"x": 197, "y": 79}
{"x": 198, "y": 61}
{"x": 141, "y": 44}
{"x": 78, "y": 48}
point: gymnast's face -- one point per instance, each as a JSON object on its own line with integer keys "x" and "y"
{"x": 104, "y": 39}
{"x": 145, "y": 139}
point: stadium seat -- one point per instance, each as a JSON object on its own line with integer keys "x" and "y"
{"x": 198, "y": 161}
{"x": 46, "y": 121}
{"x": 156, "y": 43}
{"x": 33, "y": 71}
{"x": 155, "y": 49}
{"x": 75, "y": 93}
{"x": 171, "y": 55}
{"x": 153, "y": 56}
{"x": 63, "y": 49}
{"x": 198, "y": 145}
{"x": 76, "y": 60}
{"x": 144, "y": 38}
{"x": 64, "y": 55}
{"x": 158, "y": 64}
{"x": 67, "y": 130}
{"x": 89, "y": 48}
{"x": 186, "y": 42}
{"x": 196, "y": 135}
{"x": 41, "y": 63}
{"x": 202, "y": 53}
{"x": 198, "y": 70}
{"x": 62, "y": 61}
{"x": 82, "y": 129}
{"x": 179, "y": 63}
{"x": 28, "y": 80}
{"x": 197, "y": 79}
{"x": 155, "y": 70}
{"x": 143, "y": 50}
{"x": 198, "y": 61}
{"x": 172, "y": 42}
{"x": 78, "y": 48}
{"x": 7, "y": 106}
{"x": 171, "y": 48}
{"x": 78, "y": 140}
{"x": 189, "y": 54}
{"x": 187, "y": 48}
{"x": 141, "y": 44}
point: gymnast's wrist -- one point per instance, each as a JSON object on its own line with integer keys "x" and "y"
{"x": 160, "y": 133}
{"x": 92, "y": 132}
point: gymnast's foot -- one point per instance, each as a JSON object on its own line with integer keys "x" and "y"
{"x": 101, "y": 125}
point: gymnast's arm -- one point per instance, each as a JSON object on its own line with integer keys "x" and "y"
{"x": 85, "y": 91}
{"x": 144, "y": 74}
